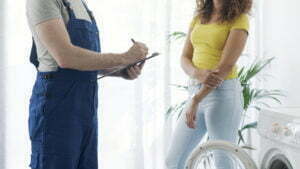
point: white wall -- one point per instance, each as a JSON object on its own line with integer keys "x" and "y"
{"x": 281, "y": 39}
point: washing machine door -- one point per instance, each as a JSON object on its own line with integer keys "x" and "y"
{"x": 203, "y": 156}
{"x": 277, "y": 161}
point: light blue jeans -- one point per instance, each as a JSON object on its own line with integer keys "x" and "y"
{"x": 219, "y": 114}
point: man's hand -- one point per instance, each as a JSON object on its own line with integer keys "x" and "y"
{"x": 137, "y": 52}
{"x": 132, "y": 72}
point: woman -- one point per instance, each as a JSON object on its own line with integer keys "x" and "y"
{"x": 63, "y": 106}
{"x": 216, "y": 39}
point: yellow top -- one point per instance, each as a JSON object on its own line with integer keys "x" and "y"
{"x": 208, "y": 41}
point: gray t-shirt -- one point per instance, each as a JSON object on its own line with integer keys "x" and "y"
{"x": 39, "y": 11}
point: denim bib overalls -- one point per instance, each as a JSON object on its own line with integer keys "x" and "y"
{"x": 63, "y": 107}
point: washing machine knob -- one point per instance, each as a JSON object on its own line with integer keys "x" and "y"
{"x": 276, "y": 128}
{"x": 287, "y": 132}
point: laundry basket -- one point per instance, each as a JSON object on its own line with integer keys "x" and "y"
{"x": 203, "y": 156}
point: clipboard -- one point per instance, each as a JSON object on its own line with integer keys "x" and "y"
{"x": 130, "y": 65}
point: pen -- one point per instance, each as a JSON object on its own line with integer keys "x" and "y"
{"x": 132, "y": 40}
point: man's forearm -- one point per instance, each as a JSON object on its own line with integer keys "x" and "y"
{"x": 54, "y": 36}
{"x": 86, "y": 60}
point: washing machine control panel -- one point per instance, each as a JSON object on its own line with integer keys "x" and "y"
{"x": 289, "y": 131}
{"x": 280, "y": 127}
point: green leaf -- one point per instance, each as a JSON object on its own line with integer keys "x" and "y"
{"x": 179, "y": 114}
{"x": 253, "y": 95}
{"x": 246, "y": 75}
{"x": 241, "y": 138}
{"x": 176, "y": 109}
{"x": 180, "y": 86}
{"x": 248, "y": 147}
{"x": 177, "y": 35}
{"x": 249, "y": 126}
{"x": 169, "y": 112}
{"x": 241, "y": 71}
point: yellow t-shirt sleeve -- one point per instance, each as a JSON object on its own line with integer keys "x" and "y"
{"x": 242, "y": 22}
{"x": 192, "y": 24}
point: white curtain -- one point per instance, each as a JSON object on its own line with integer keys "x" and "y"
{"x": 2, "y": 89}
{"x": 16, "y": 79}
{"x": 133, "y": 132}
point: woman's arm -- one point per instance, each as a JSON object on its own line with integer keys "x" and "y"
{"x": 233, "y": 49}
{"x": 231, "y": 52}
{"x": 186, "y": 58}
{"x": 55, "y": 38}
{"x": 191, "y": 70}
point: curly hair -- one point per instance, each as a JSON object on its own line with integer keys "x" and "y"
{"x": 230, "y": 9}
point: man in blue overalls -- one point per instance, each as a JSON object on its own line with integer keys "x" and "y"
{"x": 63, "y": 106}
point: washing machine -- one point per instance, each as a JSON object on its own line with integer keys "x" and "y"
{"x": 279, "y": 130}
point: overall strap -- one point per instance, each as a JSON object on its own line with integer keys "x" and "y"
{"x": 89, "y": 11}
{"x": 33, "y": 55}
{"x": 69, "y": 9}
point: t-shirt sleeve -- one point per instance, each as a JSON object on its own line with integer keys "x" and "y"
{"x": 242, "y": 22}
{"x": 39, "y": 11}
{"x": 193, "y": 22}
